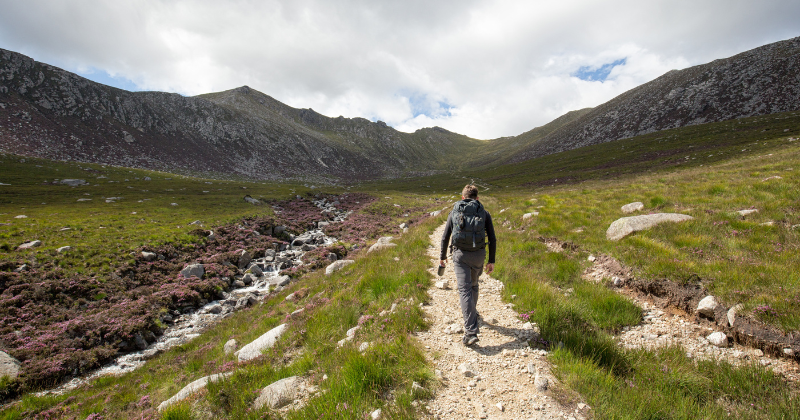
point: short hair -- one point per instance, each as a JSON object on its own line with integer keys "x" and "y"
{"x": 470, "y": 191}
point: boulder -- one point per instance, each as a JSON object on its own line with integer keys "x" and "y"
{"x": 718, "y": 339}
{"x": 251, "y": 200}
{"x": 230, "y": 346}
{"x": 192, "y": 388}
{"x": 632, "y": 207}
{"x": 9, "y": 366}
{"x": 336, "y": 266}
{"x": 267, "y": 340}
{"x": 244, "y": 258}
{"x": 193, "y": 270}
{"x": 63, "y": 249}
{"x": 627, "y": 225}
{"x": 280, "y": 280}
{"x": 707, "y": 306}
{"x": 279, "y": 393}
{"x": 29, "y": 245}
{"x": 149, "y": 256}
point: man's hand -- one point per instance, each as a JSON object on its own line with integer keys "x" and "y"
{"x": 489, "y": 268}
{"x": 442, "y": 263}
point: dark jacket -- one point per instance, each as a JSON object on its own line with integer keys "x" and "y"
{"x": 448, "y": 230}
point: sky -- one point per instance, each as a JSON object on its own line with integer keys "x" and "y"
{"x": 486, "y": 69}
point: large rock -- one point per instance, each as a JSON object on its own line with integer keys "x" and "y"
{"x": 627, "y": 225}
{"x": 279, "y": 393}
{"x": 336, "y": 266}
{"x": 718, "y": 339}
{"x": 632, "y": 207}
{"x": 733, "y": 312}
{"x": 29, "y": 245}
{"x": 193, "y": 270}
{"x": 192, "y": 388}
{"x": 254, "y": 349}
{"x": 149, "y": 256}
{"x": 707, "y": 306}
{"x": 244, "y": 259}
{"x": 9, "y": 366}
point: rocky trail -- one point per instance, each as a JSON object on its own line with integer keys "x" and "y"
{"x": 499, "y": 378}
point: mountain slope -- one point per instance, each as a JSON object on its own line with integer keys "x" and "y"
{"x": 51, "y": 113}
{"x": 765, "y": 80}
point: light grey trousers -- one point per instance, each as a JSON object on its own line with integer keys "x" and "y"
{"x": 468, "y": 266}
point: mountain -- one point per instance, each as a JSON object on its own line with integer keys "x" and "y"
{"x": 48, "y": 112}
{"x": 764, "y": 80}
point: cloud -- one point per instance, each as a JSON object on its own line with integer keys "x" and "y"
{"x": 482, "y": 68}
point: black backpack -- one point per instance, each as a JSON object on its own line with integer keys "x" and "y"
{"x": 469, "y": 225}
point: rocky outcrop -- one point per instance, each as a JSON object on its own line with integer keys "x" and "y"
{"x": 254, "y": 349}
{"x": 9, "y": 366}
{"x": 193, "y": 387}
{"x": 756, "y": 82}
{"x": 279, "y": 393}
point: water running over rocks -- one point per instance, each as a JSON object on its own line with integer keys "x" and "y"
{"x": 259, "y": 277}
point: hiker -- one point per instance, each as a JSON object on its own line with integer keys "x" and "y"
{"x": 470, "y": 225}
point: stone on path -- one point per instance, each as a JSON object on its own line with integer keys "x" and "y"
{"x": 718, "y": 339}
{"x": 541, "y": 383}
{"x": 230, "y": 346}
{"x": 632, "y": 207}
{"x": 29, "y": 245}
{"x": 193, "y": 270}
{"x": 627, "y": 225}
{"x": 467, "y": 370}
{"x": 255, "y": 348}
{"x": 192, "y": 388}
{"x": 443, "y": 284}
{"x": 707, "y": 306}
{"x": 9, "y": 366}
{"x": 279, "y": 393}
{"x": 383, "y": 243}
{"x": 336, "y": 266}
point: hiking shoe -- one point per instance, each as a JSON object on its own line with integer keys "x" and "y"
{"x": 470, "y": 339}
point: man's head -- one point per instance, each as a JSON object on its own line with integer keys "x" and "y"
{"x": 470, "y": 191}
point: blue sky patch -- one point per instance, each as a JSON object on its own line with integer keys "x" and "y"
{"x": 597, "y": 74}
{"x": 101, "y": 76}
{"x": 422, "y": 104}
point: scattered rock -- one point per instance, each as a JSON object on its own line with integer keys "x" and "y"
{"x": 29, "y": 245}
{"x": 254, "y": 349}
{"x": 279, "y": 393}
{"x": 541, "y": 383}
{"x": 63, "y": 249}
{"x": 290, "y": 297}
{"x": 9, "y": 366}
{"x": 732, "y": 313}
{"x": 772, "y": 177}
{"x": 149, "y": 256}
{"x": 23, "y": 267}
{"x": 436, "y": 213}
{"x": 718, "y": 339}
{"x": 244, "y": 259}
{"x": 417, "y": 389}
{"x": 211, "y": 236}
{"x": 230, "y": 346}
{"x": 403, "y": 225}
{"x": 532, "y": 369}
{"x": 364, "y": 346}
{"x": 336, "y": 266}
{"x": 73, "y": 182}
{"x": 383, "y": 243}
{"x": 192, "y": 388}
{"x": 376, "y": 415}
{"x": 632, "y": 207}
{"x": 443, "y": 284}
{"x": 21, "y": 216}
{"x": 591, "y": 258}
{"x": 625, "y": 226}
{"x": 745, "y": 212}
{"x": 467, "y": 370}
{"x": 707, "y": 306}
{"x": 193, "y": 270}
{"x": 251, "y": 200}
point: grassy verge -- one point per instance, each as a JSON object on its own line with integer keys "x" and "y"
{"x": 356, "y": 383}
{"x": 577, "y": 319}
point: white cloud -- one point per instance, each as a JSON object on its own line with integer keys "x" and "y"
{"x": 482, "y": 68}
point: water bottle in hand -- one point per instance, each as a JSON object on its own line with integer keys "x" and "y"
{"x": 441, "y": 269}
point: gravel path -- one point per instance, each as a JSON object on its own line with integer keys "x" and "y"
{"x": 505, "y": 379}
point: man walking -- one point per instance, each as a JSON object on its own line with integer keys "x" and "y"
{"x": 470, "y": 225}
